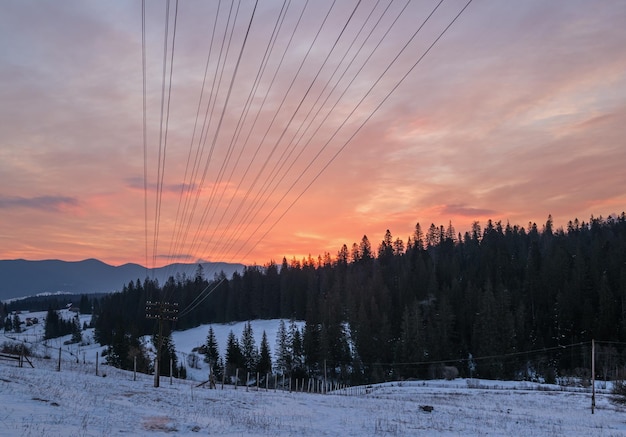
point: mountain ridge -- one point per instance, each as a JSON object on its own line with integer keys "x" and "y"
{"x": 24, "y": 278}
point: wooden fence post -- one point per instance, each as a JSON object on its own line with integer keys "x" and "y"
{"x": 236, "y": 377}
{"x": 97, "y": 363}
{"x": 59, "y": 365}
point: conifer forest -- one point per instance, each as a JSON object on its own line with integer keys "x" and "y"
{"x": 501, "y": 301}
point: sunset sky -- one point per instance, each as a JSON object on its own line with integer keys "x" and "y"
{"x": 315, "y": 124}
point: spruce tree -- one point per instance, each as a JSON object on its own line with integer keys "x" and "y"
{"x": 77, "y": 335}
{"x": 265, "y": 359}
{"x": 249, "y": 352}
{"x": 17, "y": 323}
{"x": 51, "y": 327}
{"x": 233, "y": 354}
{"x": 212, "y": 355}
{"x": 168, "y": 352}
{"x": 296, "y": 347}
{"x": 283, "y": 350}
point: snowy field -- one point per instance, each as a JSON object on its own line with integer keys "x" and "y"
{"x": 42, "y": 401}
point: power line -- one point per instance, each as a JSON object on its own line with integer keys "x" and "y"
{"x": 380, "y": 104}
{"x": 238, "y": 130}
{"x": 210, "y": 109}
{"x": 182, "y": 230}
{"x": 356, "y": 131}
{"x": 145, "y": 139}
{"x": 157, "y": 212}
{"x": 328, "y": 113}
{"x": 312, "y": 110}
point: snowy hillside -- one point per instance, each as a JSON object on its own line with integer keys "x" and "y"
{"x": 75, "y": 402}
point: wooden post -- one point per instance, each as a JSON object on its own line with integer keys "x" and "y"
{"x": 156, "y": 372}
{"x": 267, "y": 381}
{"x": 257, "y": 381}
{"x": 593, "y": 376}
{"x": 236, "y": 377}
{"x": 247, "y": 380}
{"x": 59, "y": 365}
{"x": 97, "y": 363}
{"x": 135, "y": 368}
{"x": 223, "y": 377}
{"x": 324, "y": 376}
{"x": 171, "y": 365}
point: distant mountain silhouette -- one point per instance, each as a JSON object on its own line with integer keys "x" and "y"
{"x": 22, "y": 278}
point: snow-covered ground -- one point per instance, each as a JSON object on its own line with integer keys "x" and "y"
{"x": 42, "y": 401}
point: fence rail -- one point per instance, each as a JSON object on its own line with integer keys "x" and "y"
{"x": 19, "y": 358}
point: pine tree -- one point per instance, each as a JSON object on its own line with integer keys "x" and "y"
{"x": 283, "y": 350}
{"x": 17, "y": 324}
{"x": 77, "y": 335}
{"x": 168, "y": 352}
{"x": 264, "y": 364}
{"x": 311, "y": 347}
{"x": 418, "y": 237}
{"x": 51, "y": 327}
{"x": 212, "y": 355}
{"x": 409, "y": 348}
{"x": 85, "y": 305}
{"x": 365, "y": 249}
{"x": 233, "y": 354}
{"x": 249, "y": 352}
{"x": 296, "y": 347}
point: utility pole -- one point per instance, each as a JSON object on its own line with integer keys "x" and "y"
{"x": 161, "y": 311}
{"x": 593, "y": 375}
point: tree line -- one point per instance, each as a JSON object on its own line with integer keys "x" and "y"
{"x": 409, "y": 309}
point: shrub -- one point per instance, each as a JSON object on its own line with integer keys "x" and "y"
{"x": 15, "y": 349}
{"x": 619, "y": 391}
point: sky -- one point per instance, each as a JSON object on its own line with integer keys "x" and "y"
{"x": 291, "y": 128}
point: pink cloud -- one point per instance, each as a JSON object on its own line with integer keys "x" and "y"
{"x": 514, "y": 115}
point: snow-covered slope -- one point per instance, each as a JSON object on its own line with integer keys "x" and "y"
{"x": 76, "y": 402}
{"x": 42, "y": 401}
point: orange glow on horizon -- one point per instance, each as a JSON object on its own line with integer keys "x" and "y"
{"x": 516, "y": 113}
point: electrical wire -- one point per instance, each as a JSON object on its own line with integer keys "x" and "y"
{"x": 311, "y": 111}
{"x": 144, "y": 130}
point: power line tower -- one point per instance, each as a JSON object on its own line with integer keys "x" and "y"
{"x": 163, "y": 312}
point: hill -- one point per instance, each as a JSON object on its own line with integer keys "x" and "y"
{"x": 22, "y": 278}
{"x": 74, "y": 401}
